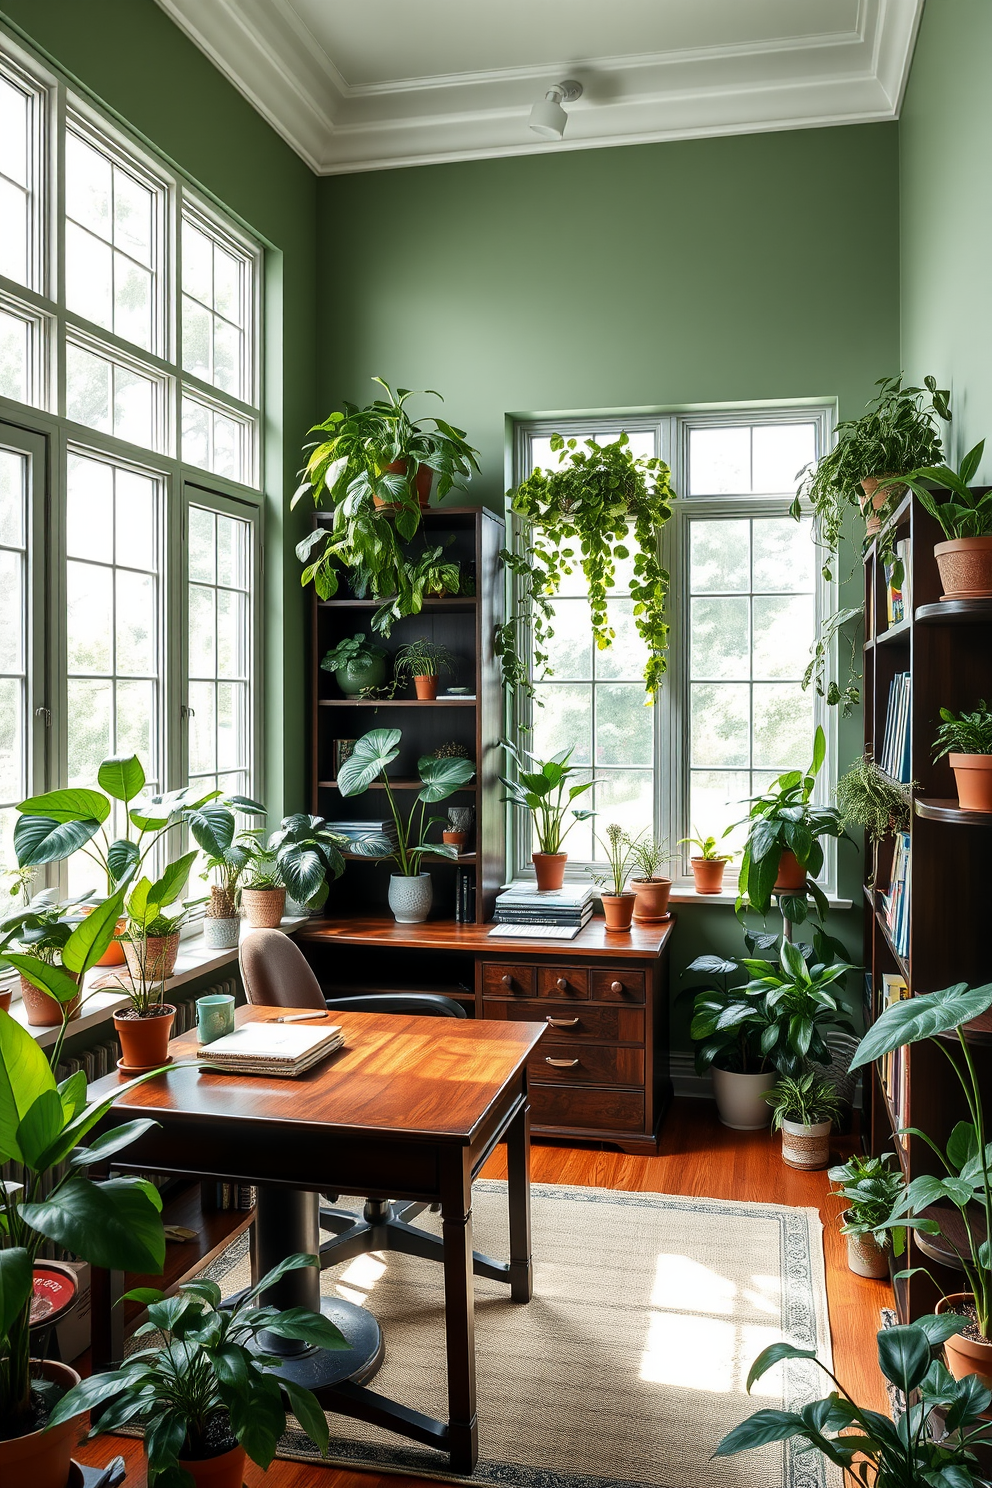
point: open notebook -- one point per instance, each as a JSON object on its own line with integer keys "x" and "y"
{"x": 272, "y": 1048}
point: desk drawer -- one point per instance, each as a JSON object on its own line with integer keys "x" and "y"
{"x": 607, "y": 1025}
{"x": 562, "y": 981}
{"x": 618, "y": 986}
{"x": 508, "y": 981}
{"x": 559, "y": 1108}
{"x": 594, "y": 1064}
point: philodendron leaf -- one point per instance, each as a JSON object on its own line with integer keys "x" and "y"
{"x": 442, "y": 777}
{"x": 51, "y": 979}
{"x": 42, "y": 839}
{"x": 39, "y": 1128}
{"x": 122, "y": 777}
{"x": 116, "y": 1225}
{"x": 24, "y": 1074}
{"x": 904, "y": 1356}
{"x": 16, "y": 1283}
{"x": 213, "y": 828}
{"x": 68, "y": 806}
{"x": 122, "y": 859}
{"x": 93, "y": 935}
{"x": 925, "y": 1016}
{"x": 372, "y": 754}
{"x": 169, "y": 887}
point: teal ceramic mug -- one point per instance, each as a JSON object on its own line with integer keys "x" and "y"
{"x": 214, "y": 1017}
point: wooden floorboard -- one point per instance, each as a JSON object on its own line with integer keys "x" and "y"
{"x": 698, "y": 1158}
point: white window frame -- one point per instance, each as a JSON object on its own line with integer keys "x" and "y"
{"x": 672, "y": 428}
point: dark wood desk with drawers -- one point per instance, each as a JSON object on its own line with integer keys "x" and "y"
{"x": 600, "y": 1072}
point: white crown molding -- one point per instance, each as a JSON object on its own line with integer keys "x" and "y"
{"x": 267, "y": 52}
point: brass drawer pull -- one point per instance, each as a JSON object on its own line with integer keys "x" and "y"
{"x": 561, "y": 1063}
{"x": 561, "y": 984}
{"x": 562, "y": 1022}
{"x": 616, "y": 986}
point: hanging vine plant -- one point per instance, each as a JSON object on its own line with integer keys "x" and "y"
{"x": 601, "y": 503}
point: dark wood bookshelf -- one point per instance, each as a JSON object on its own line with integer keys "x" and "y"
{"x": 188, "y": 1205}
{"x": 465, "y": 624}
{"x": 946, "y": 646}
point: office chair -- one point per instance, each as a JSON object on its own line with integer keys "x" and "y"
{"x": 276, "y": 973}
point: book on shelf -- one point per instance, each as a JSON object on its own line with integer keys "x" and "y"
{"x": 894, "y": 1067}
{"x": 895, "y": 904}
{"x": 895, "y": 756}
{"x": 899, "y": 596}
{"x": 526, "y": 896}
{"x": 272, "y": 1048}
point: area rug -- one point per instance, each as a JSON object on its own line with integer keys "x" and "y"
{"x": 630, "y": 1363}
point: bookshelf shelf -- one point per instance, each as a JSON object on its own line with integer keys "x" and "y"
{"x": 404, "y": 785}
{"x": 948, "y": 810}
{"x": 441, "y": 702}
{"x": 901, "y": 963}
{"x": 434, "y": 862}
{"x": 896, "y": 633}
{"x": 956, "y": 612}
{"x": 439, "y": 602}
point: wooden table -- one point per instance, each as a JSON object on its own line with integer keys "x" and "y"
{"x": 409, "y": 1109}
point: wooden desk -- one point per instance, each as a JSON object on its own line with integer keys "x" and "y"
{"x": 409, "y": 1109}
{"x": 603, "y": 997}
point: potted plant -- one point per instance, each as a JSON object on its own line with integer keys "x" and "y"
{"x": 964, "y": 561}
{"x": 116, "y": 1224}
{"x": 651, "y": 888}
{"x": 618, "y": 900}
{"x": 154, "y": 919}
{"x": 262, "y": 894}
{"x": 410, "y": 889}
{"x": 422, "y": 660}
{"x": 356, "y": 664}
{"x": 869, "y": 799}
{"x": 222, "y": 925}
{"x": 943, "y": 1427}
{"x": 895, "y": 434}
{"x": 40, "y": 930}
{"x": 308, "y": 856}
{"x": 208, "y": 1395}
{"x": 871, "y": 1191}
{"x": 967, "y": 742}
{"x": 804, "y": 1109}
{"x": 966, "y": 1159}
{"x": 708, "y": 866}
{"x": 783, "y": 854}
{"x": 546, "y": 792}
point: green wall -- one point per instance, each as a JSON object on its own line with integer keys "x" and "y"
{"x": 945, "y": 137}
{"x": 707, "y": 271}
{"x": 135, "y": 61}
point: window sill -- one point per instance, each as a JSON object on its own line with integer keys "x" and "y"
{"x": 195, "y": 960}
{"x": 684, "y": 892}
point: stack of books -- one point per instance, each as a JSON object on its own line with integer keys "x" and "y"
{"x": 895, "y": 756}
{"x": 543, "y": 914}
{"x": 272, "y": 1048}
{"x": 368, "y": 839}
{"x": 895, "y": 904}
{"x": 894, "y": 1067}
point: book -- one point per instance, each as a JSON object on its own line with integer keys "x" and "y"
{"x": 542, "y": 916}
{"x": 535, "y": 932}
{"x": 525, "y": 896}
{"x": 272, "y": 1048}
{"x": 895, "y": 757}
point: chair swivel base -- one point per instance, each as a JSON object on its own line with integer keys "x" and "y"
{"x": 385, "y": 1225}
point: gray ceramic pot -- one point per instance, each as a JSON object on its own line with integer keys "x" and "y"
{"x": 221, "y": 935}
{"x": 410, "y": 899}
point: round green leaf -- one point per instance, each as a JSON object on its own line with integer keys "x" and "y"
{"x": 122, "y": 777}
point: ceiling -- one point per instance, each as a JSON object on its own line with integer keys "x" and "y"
{"x": 358, "y": 85}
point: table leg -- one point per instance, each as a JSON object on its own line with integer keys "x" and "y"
{"x": 459, "y": 1313}
{"x": 518, "y": 1196}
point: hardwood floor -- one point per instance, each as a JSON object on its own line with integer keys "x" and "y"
{"x": 698, "y": 1157}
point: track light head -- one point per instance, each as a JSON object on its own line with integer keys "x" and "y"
{"x": 547, "y": 117}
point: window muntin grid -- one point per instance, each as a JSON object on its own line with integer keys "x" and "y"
{"x": 15, "y": 478}
{"x": 216, "y": 439}
{"x": 217, "y": 291}
{"x": 20, "y": 196}
{"x": 219, "y": 630}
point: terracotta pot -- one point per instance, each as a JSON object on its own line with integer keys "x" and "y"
{"x": 875, "y": 500}
{"x": 966, "y": 1355}
{"x": 740, "y": 1099}
{"x": 225, "y": 1471}
{"x": 114, "y": 954}
{"x": 6, "y": 993}
{"x": 158, "y": 957}
{"x": 41, "y": 1459}
{"x": 550, "y": 869}
{"x": 619, "y": 910}
{"x": 423, "y": 481}
{"x": 965, "y": 566}
{"x": 44, "y": 1011}
{"x": 791, "y": 874}
{"x": 973, "y": 778}
{"x": 651, "y": 898}
{"x": 145, "y": 1041}
{"x": 865, "y": 1257}
{"x": 426, "y": 688}
{"x": 806, "y": 1147}
{"x": 455, "y": 839}
{"x": 708, "y": 873}
{"x": 264, "y": 907}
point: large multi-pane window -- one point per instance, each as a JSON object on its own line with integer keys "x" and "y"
{"x": 745, "y": 596}
{"x": 143, "y": 298}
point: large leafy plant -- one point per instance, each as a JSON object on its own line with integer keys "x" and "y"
{"x": 871, "y": 1192}
{"x": 600, "y": 505}
{"x": 43, "y": 1124}
{"x": 308, "y": 857}
{"x": 784, "y": 818}
{"x": 967, "y": 1159}
{"x": 962, "y": 512}
{"x": 374, "y": 752}
{"x": 933, "y": 1443}
{"x": 210, "y": 1370}
{"x": 546, "y": 790}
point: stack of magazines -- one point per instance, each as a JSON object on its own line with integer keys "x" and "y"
{"x": 369, "y": 839}
{"x": 537, "y": 911}
{"x": 271, "y": 1049}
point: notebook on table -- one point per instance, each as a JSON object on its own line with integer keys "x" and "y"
{"x": 272, "y": 1049}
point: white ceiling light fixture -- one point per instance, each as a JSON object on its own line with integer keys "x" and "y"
{"x": 548, "y": 118}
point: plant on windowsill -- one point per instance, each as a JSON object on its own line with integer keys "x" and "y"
{"x": 709, "y": 866}
{"x": 410, "y": 889}
{"x": 895, "y": 434}
{"x": 964, "y": 561}
{"x": 618, "y": 901}
{"x": 601, "y": 503}
{"x": 356, "y": 664}
{"x": 651, "y": 888}
{"x": 308, "y": 857}
{"x": 262, "y": 894}
{"x": 40, "y": 930}
{"x": 805, "y": 1107}
{"x": 208, "y": 1395}
{"x": 967, "y": 743}
{"x": 422, "y": 660}
{"x": 872, "y": 1191}
{"x": 151, "y": 945}
{"x": 541, "y": 788}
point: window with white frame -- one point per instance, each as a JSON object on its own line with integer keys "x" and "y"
{"x": 732, "y": 712}
{"x": 155, "y": 325}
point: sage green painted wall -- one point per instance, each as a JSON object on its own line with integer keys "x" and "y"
{"x": 945, "y": 136}
{"x": 704, "y": 271}
{"x": 137, "y": 62}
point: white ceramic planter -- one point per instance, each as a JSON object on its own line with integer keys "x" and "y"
{"x": 410, "y": 899}
{"x": 740, "y": 1099}
{"x": 806, "y": 1146}
{"x": 221, "y": 935}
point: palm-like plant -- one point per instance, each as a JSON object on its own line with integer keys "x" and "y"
{"x": 805, "y": 1098}
{"x": 543, "y": 788}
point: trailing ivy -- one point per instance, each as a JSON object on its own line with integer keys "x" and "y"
{"x": 598, "y": 505}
